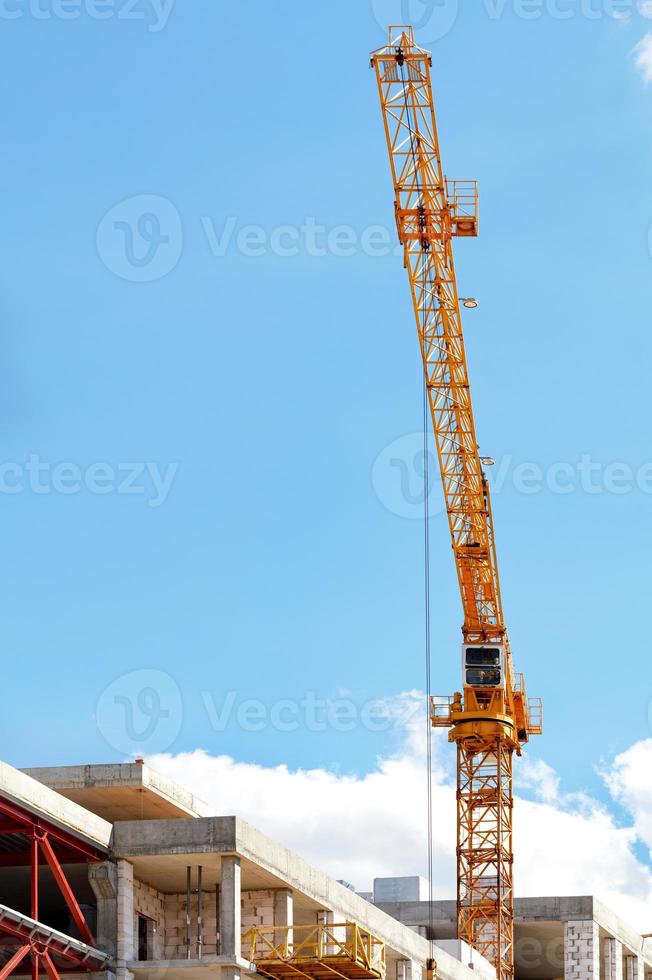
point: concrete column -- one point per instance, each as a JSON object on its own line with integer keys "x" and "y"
{"x": 125, "y": 950}
{"x": 230, "y": 907}
{"x": 613, "y": 959}
{"x": 633, "y": 967}
{"x": 284, "y": 913}
{"x": 283, "y": 907}
{"x": 326, "y": 917}
{"x": 408, "y": 970}
{"x": 582, "y": 950}
{"x": 103, "y": 879}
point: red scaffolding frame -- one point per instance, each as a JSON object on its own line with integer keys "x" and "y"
{"x": 28, "y": 838}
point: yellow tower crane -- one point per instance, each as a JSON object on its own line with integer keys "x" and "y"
{"x": 492, "y": 718}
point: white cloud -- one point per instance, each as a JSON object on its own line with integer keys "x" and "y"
{"x": 643, "y": 57}
{"x": 630, "y": 784}
{"x": 538, "y": 776}
{"x": 358, "y": 827}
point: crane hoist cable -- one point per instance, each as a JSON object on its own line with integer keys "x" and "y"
{"x": 428, "y": 657}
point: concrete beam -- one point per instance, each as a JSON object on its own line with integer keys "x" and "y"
{"x": 122, "y": 791}
{"x": 41, "y": 801}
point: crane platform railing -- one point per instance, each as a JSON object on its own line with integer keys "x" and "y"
{"x": 440, "y": 710}
{"x": 344, "y": 949}
{"x": 462, "y": 196}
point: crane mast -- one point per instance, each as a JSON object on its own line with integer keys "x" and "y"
{"x": 493, "y": 718}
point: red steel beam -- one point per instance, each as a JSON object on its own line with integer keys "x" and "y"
{"x": 27, "y": 820}
{"x": 50, "y": 968}
{"x": 33, "y": 846}
{"x": 25, "y": 936}
{"x": 17, "y": 958}
{"x": 66, "y": 890}
{"x": 22, "y": 859}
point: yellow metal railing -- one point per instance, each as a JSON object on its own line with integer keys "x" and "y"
{"x": 440, "y": 711}
{"x": 462, "y": 196}
{"x": 347, "y": 947}
{"x": 535, "y": 716}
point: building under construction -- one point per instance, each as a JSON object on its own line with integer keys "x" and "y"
{"x": 118, "y": 872}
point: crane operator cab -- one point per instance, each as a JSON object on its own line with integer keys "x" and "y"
{"x": 483, "y": 666}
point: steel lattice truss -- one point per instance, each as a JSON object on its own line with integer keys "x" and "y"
{"x": 484, "y": 848}
{"x": 427, "y": 220}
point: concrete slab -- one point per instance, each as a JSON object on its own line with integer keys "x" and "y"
{"x": 43, "y": 801}
{"x": 124, "y": 791}
{"x": 192, "y": 969}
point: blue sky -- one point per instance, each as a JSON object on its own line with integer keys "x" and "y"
{"x": 202, "y": 452}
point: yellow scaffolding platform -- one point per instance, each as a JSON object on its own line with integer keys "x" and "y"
{"x": 318, "y": 952}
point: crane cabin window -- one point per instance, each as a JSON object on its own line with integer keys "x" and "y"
{"x": 483, "y": 676}
{"x": 483, "y": 666}
{"x": 483, "y": 656}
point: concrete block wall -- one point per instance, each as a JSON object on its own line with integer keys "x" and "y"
{"x": 257, "y": 908}
{"x": 175, "y": 925}
{"x": 582, "y": 950}
{"x": 260, "y": 907}
{"x": 150, "y": 903}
